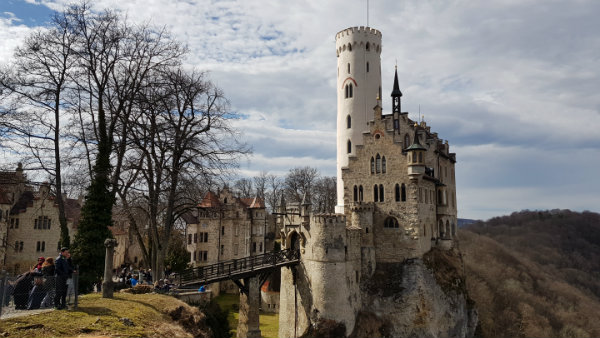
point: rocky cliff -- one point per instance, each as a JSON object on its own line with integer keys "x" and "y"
{"x": 418, "y": 298}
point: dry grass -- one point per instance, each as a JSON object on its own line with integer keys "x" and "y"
{"x": 97, "y": 316}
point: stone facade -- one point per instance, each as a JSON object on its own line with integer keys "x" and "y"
{"x": 29, "y": 226}
{"x": 399, "y": 201}
{"x": 225, "y": 227}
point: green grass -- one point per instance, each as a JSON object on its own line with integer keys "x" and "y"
{"x": 269, "y": 322}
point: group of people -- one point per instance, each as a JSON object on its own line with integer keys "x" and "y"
{"x": 45, "y": 285}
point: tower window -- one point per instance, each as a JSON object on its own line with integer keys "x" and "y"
{"x": 372, "y": 165}
{"x": 355, "y": 195}
{"x": 346, "y": 91}
{"x": 375, "y": 193}
{"x": 360, "y": 193}
{"x": 348, "y": 122}
{"x": 368, "y": 47}
{"x": 378, "y": 164}
{"x": 350, "y": 86}
{"x": 367, "y": 67}
{"x": 349, "y": 147}
{"x": 349, "y": 47}
{"x": 348, "y": 67}
{"x": 403, "y": 193}
{"x": 381, "y": 199}
{"x": 383, "y": 165}
{"x": 397, "y": 192}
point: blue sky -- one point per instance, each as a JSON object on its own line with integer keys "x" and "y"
{"x": 513, "y": 85}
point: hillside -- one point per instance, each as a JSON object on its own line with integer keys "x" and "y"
{"x": 535, "y": 274}
{"x": 127, "y": 315}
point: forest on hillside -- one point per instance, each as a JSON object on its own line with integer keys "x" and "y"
{"x": 535, "y": 273}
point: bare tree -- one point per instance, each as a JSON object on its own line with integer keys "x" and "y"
{"x": 260, "y": 184}
{"x": 274, "y": 190}
{"x": 243, "y": 187}
{"x": 299, "y": 181}
{"x": 324, "y": 194}
{"x": 36, "y": 88}
{"x": 182, "y": 129}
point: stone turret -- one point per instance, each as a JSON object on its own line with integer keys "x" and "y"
{"x": 415, "y": 158}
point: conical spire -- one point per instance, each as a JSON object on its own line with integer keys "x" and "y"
{"x": 396, "y": 91}
{"x": 416, "y": 145}
{"x": 396, "y": 94}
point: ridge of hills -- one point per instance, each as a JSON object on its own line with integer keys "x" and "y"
{"x": 535, "y": 273}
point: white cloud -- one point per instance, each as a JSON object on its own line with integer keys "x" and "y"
{"x": 511, "y": 84}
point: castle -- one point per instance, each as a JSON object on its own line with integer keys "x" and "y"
{"x": 396, "y": 197}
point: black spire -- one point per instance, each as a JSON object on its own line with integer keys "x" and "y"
{"x": 396, "y": 94}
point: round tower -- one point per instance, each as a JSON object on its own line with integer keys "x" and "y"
{"x": 358, "y": 52}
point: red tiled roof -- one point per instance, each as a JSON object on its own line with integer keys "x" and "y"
{"x": 210, "y": 200}
{"x": 252, "y": 203}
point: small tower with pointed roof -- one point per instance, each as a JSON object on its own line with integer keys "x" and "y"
{"x": 415, "y": 163}
{"x": 396, "y": 94}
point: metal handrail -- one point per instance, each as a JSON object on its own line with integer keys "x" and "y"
{"x": 232, "y": 268}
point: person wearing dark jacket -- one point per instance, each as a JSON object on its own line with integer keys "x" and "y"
{"x": 48, "y": 270}
{"x": 62, "y": 271}
{"x": 23, "y": 285}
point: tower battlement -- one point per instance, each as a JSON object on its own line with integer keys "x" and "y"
{"x": 328, "y": 220}
{"x": 358, "y": 29}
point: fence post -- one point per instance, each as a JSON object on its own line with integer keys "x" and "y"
{"x": 3, "y": 290}
{"x": 76, "y": 286}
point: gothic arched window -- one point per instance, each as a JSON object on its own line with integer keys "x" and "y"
{"x": 355, "y": 194}
{"x": 349, "y": 147}
{"x": 381, "y": 199}
{"x": 403, "y": 193}
{"x": 375, "y": 193}
{"x": 372, "y": 165}
{"x": 391, "y": 223}
{"x": 383, "y": 164}
{"x": 378, "y": 164}
{"x": 397, "y": 192}
{"x": 360, "y": 193}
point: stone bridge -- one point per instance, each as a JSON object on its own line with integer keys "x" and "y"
{"x": 249, "y": 273}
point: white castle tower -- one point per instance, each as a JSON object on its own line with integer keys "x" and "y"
{"x": 358, "y": 86}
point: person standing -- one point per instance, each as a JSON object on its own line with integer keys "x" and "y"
{"x": 62, "y": 270}
{"x": 48, "y": 269}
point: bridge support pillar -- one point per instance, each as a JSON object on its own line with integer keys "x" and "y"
{"x": 248, "y": 324}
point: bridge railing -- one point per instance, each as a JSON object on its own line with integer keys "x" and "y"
{"x": 230, "y": 268}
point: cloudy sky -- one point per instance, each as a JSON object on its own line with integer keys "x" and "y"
{"x": 513, "y": 85}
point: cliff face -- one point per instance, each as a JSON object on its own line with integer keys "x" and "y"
{"x": 419, "y": 298}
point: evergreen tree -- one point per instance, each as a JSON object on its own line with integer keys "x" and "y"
{"x": 96, "y": 216}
